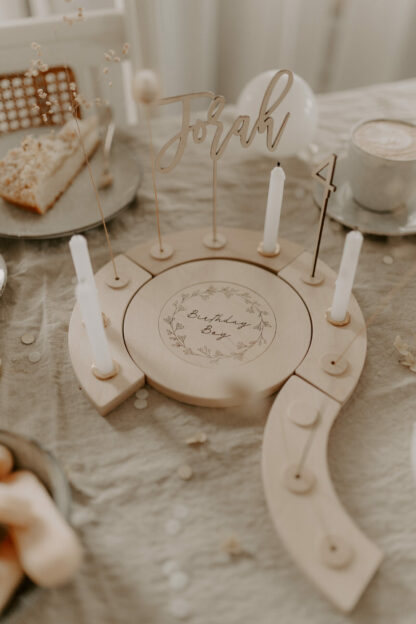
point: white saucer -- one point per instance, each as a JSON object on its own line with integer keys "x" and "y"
{"x": 343, "y": 208}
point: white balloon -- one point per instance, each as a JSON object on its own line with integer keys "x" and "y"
{"x": 300, "y": 102}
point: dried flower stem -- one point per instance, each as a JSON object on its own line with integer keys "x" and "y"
{"x": 97, "y": 197}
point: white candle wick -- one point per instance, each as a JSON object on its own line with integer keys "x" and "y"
{"x": 345, "y": 279}
{"x": 273, "y": 209}
{"x": 91, "y": 315}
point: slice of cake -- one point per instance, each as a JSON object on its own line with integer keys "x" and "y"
{"x": 35, "y": 174}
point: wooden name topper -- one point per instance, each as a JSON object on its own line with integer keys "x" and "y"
{"x": 240, "y": 126}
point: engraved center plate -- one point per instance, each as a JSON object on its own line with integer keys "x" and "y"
{"x": 201, "y": 329}
{"x": 217, "y": 324}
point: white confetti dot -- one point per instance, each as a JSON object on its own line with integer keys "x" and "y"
{"x": 180, "y": 609}
{"x": 169, "y": 567}
{"x": 142, "y": 393}
{"x": 172, "y": 526}
{"x": 299, "y": 192}
{"x": 34, "y": 357}
{"x": 27, "y": 338}
{"x": 140, "y": 404}
{"x": 180, "y": 512}
{"x": 178, "y": 580}
{"x": 388, "y": 260}
{"x": 185, "y": 472}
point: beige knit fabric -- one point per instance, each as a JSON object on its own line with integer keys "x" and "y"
{"x": 123, "y": 468}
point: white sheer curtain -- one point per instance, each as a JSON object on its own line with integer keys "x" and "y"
{"x": 221, "y": 44}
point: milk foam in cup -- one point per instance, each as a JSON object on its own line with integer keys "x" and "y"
{"x": 382, "y": 163}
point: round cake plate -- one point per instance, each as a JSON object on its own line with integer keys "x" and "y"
{"x": 213, "y": 326}
{"x": 343, "y": 208}
{"x": 76, "y": 210}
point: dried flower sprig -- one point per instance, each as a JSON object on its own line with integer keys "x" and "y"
{"x": 79, "y": 17}
{"x": 75, "y": 101}
{"x": 408, "y": 358}
{"x": 37, "y": 64}
{"x": 111, "y": 57}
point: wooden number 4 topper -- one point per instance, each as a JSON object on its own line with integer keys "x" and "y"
{"x": 329, "y": 188}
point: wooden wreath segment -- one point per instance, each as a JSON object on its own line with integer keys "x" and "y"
{"x": 106, "y": 395}
{"x": 200, "y": 329}
{"x": 188, "y": 246}
{"x": 327, "y": 338}
{"x": 316, "y": 530}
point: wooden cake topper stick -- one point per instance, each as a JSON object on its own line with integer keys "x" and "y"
{"x": 240, "y": 127}
{"x": 146, "y": 90}
{"x": 329, "y": 188}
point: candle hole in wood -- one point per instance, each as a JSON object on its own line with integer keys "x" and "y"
{"x": 161, "y": 253}
{"x": 215, "y": 243}
{"x": 105, "y": 377}
{"x": 346, "y": 321}
{"x": 117, "y": 282}
{"x": 332, "y": 364}
{"x": 268, "y": 254}
{"x": 335, "y": 552}
{"x": 298, "y": 481}
{"x": 313, "y": 280}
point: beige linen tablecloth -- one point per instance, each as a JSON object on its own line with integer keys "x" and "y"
{"x": 122, "y": 468}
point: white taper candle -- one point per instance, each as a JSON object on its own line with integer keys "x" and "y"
{"x": 345, "y": 279}
{"x": 273, "y": 209}
{"x": 81, "y": 259}
{"x": 91, "y": 315}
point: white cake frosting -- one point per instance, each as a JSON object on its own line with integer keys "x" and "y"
{"x": 35, "y": 174}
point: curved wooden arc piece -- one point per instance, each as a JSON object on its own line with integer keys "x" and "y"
{"x": 107, "y": 394}
{"x": 188, "y": 246}
{"x": 313, "y": 525}
{"x": 327, "y": 338}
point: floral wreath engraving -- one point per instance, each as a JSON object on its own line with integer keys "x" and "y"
{"x": 180, "y": 340}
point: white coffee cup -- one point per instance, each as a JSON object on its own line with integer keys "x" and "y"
{"x": 382, "y": 163}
